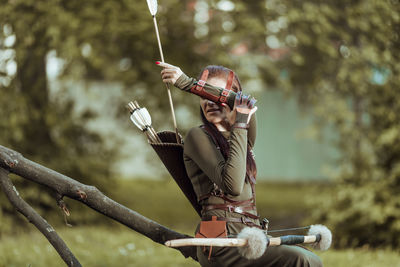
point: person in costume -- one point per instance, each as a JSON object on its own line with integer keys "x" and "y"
{"x": 220, "y": 164}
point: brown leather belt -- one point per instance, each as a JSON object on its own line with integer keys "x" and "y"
{"x": 242, "y": 220}
{"x": 232, "y": 208}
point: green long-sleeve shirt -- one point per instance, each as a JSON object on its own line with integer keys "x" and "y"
{"x": 205, "y": 164}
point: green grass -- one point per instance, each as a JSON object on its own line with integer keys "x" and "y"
{"x": 93, "y": 246}
{"x": 360, "y": 258}
{"x": 106, "y": 243}
{"x": 99, "y": 246}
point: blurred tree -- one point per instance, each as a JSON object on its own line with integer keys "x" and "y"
{"x": 35, "y": 123}
{"x": 91, "y": 42}
{"x": 344, "y": 66}
{"x": 341, "y": 60}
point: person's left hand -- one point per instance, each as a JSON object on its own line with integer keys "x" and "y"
{"x": 252, "y": 111}
{"x": 231, "y": 114}
{"x": 245, "y": 104}
{"x": 170, "y": 73}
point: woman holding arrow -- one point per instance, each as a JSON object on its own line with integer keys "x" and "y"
{"x": 220, "y": 164}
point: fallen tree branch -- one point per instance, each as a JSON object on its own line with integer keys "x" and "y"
{"x": 33, "y": 217}
{"x": 90, "y": 196}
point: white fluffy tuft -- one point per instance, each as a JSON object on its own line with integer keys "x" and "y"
{"x": 256, "y": 243}
{"x": 152, "y": 6}
{"x": 326, "y": 236}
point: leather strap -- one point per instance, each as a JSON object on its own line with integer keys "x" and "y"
{"x": 228, "y": 87}
{"x": 229, "y": 82}
{"x": 252, "y": 181}
{"x": 198, "y": 88}
{"x": 224, "y": 96}
{"x": 231, "y": 208}
{"x": 241, "y": 125}
{"x": 202, "y": 82}
{"x": 243, "y": 220}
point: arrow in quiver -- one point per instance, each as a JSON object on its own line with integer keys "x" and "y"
{"x": 171, "y": 154}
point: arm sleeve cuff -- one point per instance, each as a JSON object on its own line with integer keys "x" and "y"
{"x": 241, "y": 117}
{"x": 184, "y": 82}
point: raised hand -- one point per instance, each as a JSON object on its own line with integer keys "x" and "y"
{"x": 170, "y": 73}
{"x": 245, "y": 104}
{"x": 244, "y": 108}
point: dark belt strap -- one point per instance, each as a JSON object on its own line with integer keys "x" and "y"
{"x": 231, "y": 208}
{"x": 242, "y": 220}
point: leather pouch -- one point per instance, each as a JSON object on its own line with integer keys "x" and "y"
{"x": 212, "y": 229}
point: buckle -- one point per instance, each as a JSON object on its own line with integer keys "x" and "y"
{"x": 200, "y": 84}
{"x": 234, "y": 209}
{"x": 217, "y": 192}
{"x": 224, "y": 95}
{"x": 230, "y": 208}
{"x": 245, "y": 221}
{"x": 238, "y": 209}
{"x": 264, "y": 224}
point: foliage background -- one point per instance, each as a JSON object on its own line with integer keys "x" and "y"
{"x": 339, "y": 58}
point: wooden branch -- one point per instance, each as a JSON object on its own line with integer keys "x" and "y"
{"x": 33, "y": 217}
{"x": 90, "y": 196}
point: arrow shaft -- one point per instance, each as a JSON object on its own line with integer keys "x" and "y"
{"x": 171, "y": 104}
{"x": 158, "y": 38}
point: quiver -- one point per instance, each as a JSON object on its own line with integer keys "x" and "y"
{"x": 171, "y": 154}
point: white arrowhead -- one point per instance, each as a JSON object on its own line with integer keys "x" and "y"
{"x": 152, "y": 6}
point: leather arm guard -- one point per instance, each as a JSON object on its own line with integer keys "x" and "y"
{"x": 205, "y": 90}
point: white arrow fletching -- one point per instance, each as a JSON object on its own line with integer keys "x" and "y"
{"x": 146, "y": 116}
{"x": 152, "y": 6}
{"x": 137, "y": 121}
{"x": 141, "y": 118}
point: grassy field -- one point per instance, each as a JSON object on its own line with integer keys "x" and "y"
{"x": 107, "y": 243}
{"x": 99, "y": 246}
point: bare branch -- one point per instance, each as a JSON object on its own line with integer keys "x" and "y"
{"x": 34, "y": 218}
{"x": 90, "y": 196}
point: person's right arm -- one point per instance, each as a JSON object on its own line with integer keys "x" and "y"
{"x": 174, "y": 75}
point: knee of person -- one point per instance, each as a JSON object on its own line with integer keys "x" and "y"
{"x": 308, "y": 260}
